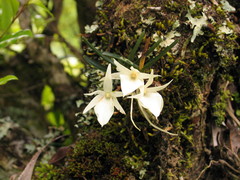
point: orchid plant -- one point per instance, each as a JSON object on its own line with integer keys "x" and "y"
{"x": 132, "y": 85}
{"x": 135, "y": 85}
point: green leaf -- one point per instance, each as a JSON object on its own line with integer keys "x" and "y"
{"x": 162, "y": 53}
{"x": 135, "y": 48}
{"x": 120, "y": 58}
{"x": 40, "y": 4}
{"x": 13, "y": 38}
{"x": 8, "y": 9}
{"x": 7, "y": 78}
{"x": 238, "y": 112}
{"x": 56, "y": 118}
{"x": 47, "y": 98}
{"x": 95, "y": 64}
{"x": 151, "y": 49}
{"x": 14, "y": 5}
{"x": 97, "y": 51}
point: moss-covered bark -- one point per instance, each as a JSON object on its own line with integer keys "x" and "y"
{"x": 196, "y": 100}
{"x": 202, "y": 104}
{"x": 205, "y": 85}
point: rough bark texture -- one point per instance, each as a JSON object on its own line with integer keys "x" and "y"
{"x": 205, "y": 74}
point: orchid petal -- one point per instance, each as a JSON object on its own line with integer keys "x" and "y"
{"x": 147, "y": 76}
{"x": 136, "y": 96}
{"x": 93, "y": 93}
{"x": 107, "y": 83}
{"x": 150, "y": 80}
{"x": 93, "y": 103}
{"x": 129, "y": 85}
{"x": 121, "y": 68}
{"x": 113, "y": 75}
{"x": 159, "y": 88}
{"x": 153, "y": 102}
{"x": 153, "y": 125}
{"x": 104, "y": 110}
{"x": 117, "y": 94}
{"x": 118, "y": 106}
{"x": 116, "y": 75}
{"x": 134, "y": 69}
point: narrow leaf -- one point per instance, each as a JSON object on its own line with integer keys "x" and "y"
{"x": 151, "y": 49}
{"x": 97, "y": 51}
{"x": 162, "y": 53}
{"x": 120, "y": 58}
{"x": 7, "y": 78}
{"x": 135, "y": 48}
{"x": 95, "y": 63}
{"x": 13, "y": 38}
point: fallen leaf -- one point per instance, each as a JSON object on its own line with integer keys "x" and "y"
{"x": 28, "y": 171}
{"x": 60, "y": 154}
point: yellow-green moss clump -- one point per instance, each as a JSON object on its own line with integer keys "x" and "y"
{"x": 100, "y": 155}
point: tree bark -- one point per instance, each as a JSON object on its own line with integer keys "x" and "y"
{"x": 196, "y": 100}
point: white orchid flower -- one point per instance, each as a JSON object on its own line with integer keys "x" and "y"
{"x": 105, "y": 101}
{"x": 149, "y": 98}
{"x": 131, "y": 79}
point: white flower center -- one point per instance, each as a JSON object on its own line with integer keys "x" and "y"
{"x": 108, "y": 95}
{"x": 133, "y": 75}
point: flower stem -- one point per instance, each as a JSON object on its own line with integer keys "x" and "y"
{"x": 131, "y": 113}
{"x": 153, "y": 125}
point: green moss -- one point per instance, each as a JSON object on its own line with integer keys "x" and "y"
{"x": 175, "y": 6}
{"x": 47, "y": 172}
{"x": 220, "y": 104}
{"x": 92, "y": 157}
{"x": 100, "y": 155}
{"x": 220, "y": 11}
{"x": 200, "y": 51}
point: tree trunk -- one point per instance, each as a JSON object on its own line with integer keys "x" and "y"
{"x": 202, "y": 100}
